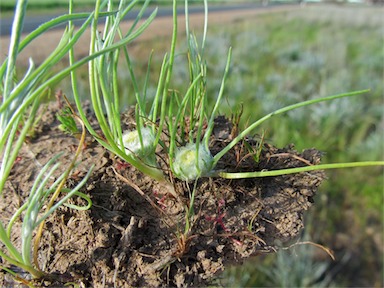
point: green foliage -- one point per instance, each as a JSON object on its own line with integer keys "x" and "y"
{"x": 103, "y": 78}
{"x": 20, "y": 101}
{"x": 288, "y": 268}
{"x": 68, "y": 124}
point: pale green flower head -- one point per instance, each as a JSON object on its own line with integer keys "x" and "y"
{"x": 132, "y": 144}
{"x": 187, "y": 167}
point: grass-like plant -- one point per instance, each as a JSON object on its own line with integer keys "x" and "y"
{"x": 185, "y": 119}
{"x": 189, "y": 155}
{"x": 194, "y": 160}
{"x": 20, "y": 101}
{"x": 304, "y": 270}
{"x": 128, "y": 145}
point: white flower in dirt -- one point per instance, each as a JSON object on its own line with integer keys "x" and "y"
{"x": 133, "y": 145}
{"x": 189, "y": 165}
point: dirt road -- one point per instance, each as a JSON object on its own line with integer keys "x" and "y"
{"x": 41, "y": 47}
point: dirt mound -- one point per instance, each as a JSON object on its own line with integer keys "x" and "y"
{"x": 135, "y": 232}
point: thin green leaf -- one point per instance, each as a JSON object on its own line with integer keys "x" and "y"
{"x": 247, "y": 131}
{"x": 298, "y": 169}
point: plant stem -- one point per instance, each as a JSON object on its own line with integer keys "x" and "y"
{"x": 169, "y": 71}
{"x": 247, "y": 131}
{"x": 298, "y": 170}
{"x": 61, "y": 185}
{"x": 17, "y": 27}
{"x": 216, "y": 107}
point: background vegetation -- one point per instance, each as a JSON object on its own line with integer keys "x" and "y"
{"x": 283, "y": 58}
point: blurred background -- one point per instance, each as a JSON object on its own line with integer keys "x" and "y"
{"x": 284, "y": 53}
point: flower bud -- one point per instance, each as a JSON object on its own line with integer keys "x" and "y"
{"x": 189, "y": 165}
{"x": 133, "y": 145}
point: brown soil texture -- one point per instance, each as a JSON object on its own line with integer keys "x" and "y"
{"x": 134, "y": 233}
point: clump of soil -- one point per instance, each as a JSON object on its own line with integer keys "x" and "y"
{"x": 134, "y": 233}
